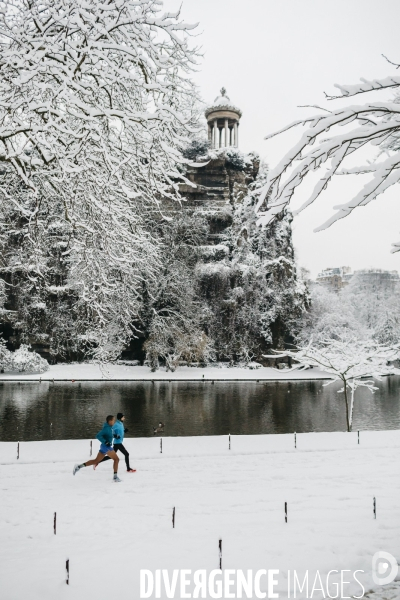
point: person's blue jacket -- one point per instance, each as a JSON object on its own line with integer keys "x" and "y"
{"x": 118, "y": 431}
{"x": 106, "y": 434}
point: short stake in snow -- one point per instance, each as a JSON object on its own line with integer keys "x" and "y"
{"x": 229, "y": 441}
{"x": 173, "y": 518}
{"x": 285, "y": 512}
{"x": 295, "y": 440}
{"x": 55, "y": 523}
{"x": 18, "y": 450}
{"x": 161, "y": 445}
{"x": 67, "y": 571}
{"x": 358, "y": 437}
{"x": 374, "y": 507}
{"x": 91, "y": 445}
{"x": 220, "y": 554}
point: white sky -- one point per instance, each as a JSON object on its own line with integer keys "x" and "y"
{"x": 274, "y": 55}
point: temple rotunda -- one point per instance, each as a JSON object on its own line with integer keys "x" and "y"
{"x": 223, "y": 122}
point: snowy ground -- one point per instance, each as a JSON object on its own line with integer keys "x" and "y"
{"x": 111, "y": 531}
{"x": 86, "y": 371}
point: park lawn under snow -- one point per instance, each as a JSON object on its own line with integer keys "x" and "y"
{"x": 88, "y": 371}
{"x": 111, "y": 531}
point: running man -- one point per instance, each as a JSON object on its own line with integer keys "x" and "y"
{"x": 105, "y": 437}
{"x": 119, "y": 432}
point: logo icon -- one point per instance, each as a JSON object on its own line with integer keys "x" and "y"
{"x": 384, "y": 568}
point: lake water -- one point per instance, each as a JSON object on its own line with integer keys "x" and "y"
{"x": 45, "y": 411}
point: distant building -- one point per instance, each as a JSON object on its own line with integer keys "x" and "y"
{"x": 335, "y": 278}
{"x": 378, "y": 278}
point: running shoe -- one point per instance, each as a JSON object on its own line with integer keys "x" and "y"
{"x": 76, "y": 469}
{"x": 116, "y": 479}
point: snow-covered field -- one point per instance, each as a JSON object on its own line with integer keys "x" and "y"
{"x": 87, "y": 371}
{"x": 111, "y": 531}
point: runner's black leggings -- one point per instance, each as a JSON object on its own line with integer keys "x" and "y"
{"x": 124, "y": 451}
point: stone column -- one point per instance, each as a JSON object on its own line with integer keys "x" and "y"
{"x": 226, "y": 134}
{"x": 215, "y": 144}
{"x": 209, "y": 133}
{"x": 236, "y": 135}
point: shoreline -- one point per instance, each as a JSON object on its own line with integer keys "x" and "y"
{"x": 164, "y": 380}
{"x": 87, "y": 372}
{"x": 79, "y": 372}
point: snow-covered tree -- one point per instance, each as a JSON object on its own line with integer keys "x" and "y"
{"x": 373, "y": 296}
{"x": 5, "y": 357}
{"x": 24, "y": 360}
{"x": 328, "y": 316}
{"x": 171, "y": 317}
{"x": 349, "y": 360}
{"x": 95, "y": 104}
{"x": 325, "y": 145}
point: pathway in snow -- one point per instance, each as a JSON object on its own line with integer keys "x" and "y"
{"x": 111, "y": 531}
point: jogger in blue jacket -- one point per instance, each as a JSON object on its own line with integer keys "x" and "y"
{"x": 119, "y": 433}
{"x": 105, "y": 437}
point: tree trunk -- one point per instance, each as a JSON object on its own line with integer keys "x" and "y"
{"x": 347, "y": 406}
{"x": 352, "y": 406}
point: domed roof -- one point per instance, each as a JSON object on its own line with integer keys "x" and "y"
{"x": 222, "y": 102}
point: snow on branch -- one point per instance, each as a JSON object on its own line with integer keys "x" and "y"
{"x": 365, "y": 86}
{"x": 324, "y": 145}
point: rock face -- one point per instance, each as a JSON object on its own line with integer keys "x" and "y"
{"x": 245, "y": 277}
{"x": 220, "y": 185}
{"x": 223, "y": 180}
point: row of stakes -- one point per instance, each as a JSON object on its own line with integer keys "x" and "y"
{"x": 173, "y": 526}
{"x": 173, "y": 510}
{"x": 229, "y": 443}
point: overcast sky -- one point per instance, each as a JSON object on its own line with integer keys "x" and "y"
{"x": 275, "y": 55}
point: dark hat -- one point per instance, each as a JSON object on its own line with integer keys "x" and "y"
{"x": 119, "y": 416}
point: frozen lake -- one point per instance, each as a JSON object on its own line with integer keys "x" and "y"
{"x": 45, "y": 411}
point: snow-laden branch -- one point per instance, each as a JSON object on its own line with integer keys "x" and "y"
{"x": 323, "y": 145}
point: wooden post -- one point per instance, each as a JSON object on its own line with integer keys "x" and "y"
{"x": 55, "y": 523}
{"x": 374, "y": 507}
{"x": 358, "y": 436}
{"x": 161, "y": 445}
{"x": 91, "y": 446}
{"x": 295, "y": 440}
{"x": 67, "y": 571}
{"x": 229, "y": 441}
{"x": 173, "y": 518}
{"x": 285, "y": 512}
{"x": 18, "y": 450}
{"x": 220, "y": 554}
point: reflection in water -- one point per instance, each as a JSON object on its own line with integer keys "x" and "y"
{"x": 42, "y": 411}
